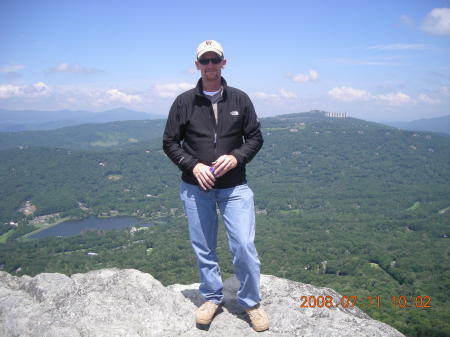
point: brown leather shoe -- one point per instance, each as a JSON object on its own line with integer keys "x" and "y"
{"x": 258, "y": 317}
{"x": 205, "y": 313}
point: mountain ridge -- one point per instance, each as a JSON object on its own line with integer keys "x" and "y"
{"x": 33, "y": 120}
{"x": 437, "y": 124}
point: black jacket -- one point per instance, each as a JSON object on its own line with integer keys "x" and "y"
{"x": 192, "y": 136}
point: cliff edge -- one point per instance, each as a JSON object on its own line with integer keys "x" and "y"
{"x": 127, "y": 302}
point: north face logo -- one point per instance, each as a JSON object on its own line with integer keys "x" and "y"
{"x": 234, "y": 113}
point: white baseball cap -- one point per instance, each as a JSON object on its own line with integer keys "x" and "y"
{"x": 209, "y": 45}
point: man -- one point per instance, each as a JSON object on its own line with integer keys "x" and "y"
{"x": 212, "y": 132}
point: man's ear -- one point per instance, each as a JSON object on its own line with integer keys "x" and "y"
{"x": 224, "y": 62}
{"x": 197, "y": 65}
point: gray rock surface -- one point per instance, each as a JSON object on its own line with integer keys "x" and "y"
{"x": 129, "y": 303}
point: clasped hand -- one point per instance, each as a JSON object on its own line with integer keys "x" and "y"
{"x": 206, "y": 176}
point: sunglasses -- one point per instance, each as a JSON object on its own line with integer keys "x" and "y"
{"x": 215, "y": 60}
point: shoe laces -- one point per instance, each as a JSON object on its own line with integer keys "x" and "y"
{"x": 256, "y": 313}
{"x": 208, "y": 306}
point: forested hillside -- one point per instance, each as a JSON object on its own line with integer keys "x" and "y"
{"x": 341, "y": 202}
{"x": 86, "y": 136}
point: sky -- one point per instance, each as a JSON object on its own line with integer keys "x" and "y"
{"x": 378, "y": 60}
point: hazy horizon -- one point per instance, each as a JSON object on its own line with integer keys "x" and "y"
{"x": 153, "y": 114}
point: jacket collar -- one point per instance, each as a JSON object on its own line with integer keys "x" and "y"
{"x": 199, "y": 88}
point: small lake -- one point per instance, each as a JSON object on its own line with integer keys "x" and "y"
{"x": 69, "y": 228}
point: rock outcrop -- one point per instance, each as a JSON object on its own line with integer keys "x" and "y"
{"x": 129, "y": 303}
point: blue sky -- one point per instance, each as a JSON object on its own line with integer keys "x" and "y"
{"x": 376, "y": 60}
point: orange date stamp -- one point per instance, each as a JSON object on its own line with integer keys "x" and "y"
{"x": 399, "y": 302}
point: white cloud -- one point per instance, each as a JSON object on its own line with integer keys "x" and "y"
{"x": 437, "y": 21}
{"x": 11, "y": 72}
{"x": 170, "y": 90}
{"x": 8, "y": 90}
{"x": 118, "y": 96}
{"x": 398, "y": 98}
{"x": 286, "y": 94}
{"x": 348, "y": 94}
{"x": 263, "y": 95}
{"x": 311, "y": 76}
{"x": 107, "y": 98}
{"x": 84, "y": 97}
{"x": 399, "y": 46}
{"x": 281, "y": 94}
{"x": 34, "y": 90}
{"x": 427, "y": 99}
{"x": 73, "y": 68}
{"x": 37, "y": 89}
{"x": 11, "y": 68}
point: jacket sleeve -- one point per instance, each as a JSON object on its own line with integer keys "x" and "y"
{"x": 253, "y": 139}
{"x": 174, "y": 135}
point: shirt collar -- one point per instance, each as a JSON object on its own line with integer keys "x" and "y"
{"x": 199, "y": 88}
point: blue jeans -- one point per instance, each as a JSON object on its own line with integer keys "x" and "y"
{"x": 238, "y": 213}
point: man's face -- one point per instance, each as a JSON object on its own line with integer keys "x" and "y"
{"x": 210, "y": 71}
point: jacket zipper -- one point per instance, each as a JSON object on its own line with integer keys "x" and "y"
{"x": 215, "y": 133}
{"x": 216, "y": 130}
{"x": 215, "y": 124}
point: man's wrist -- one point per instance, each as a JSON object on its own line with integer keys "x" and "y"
{"x": 193, "y": 165}
{"x": 237, "y": 157}
{"x": 236, "y": 162}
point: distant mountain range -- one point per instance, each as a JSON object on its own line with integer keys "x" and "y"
{"x": 438, "y": 124}
{"x": 28, "y": 120}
